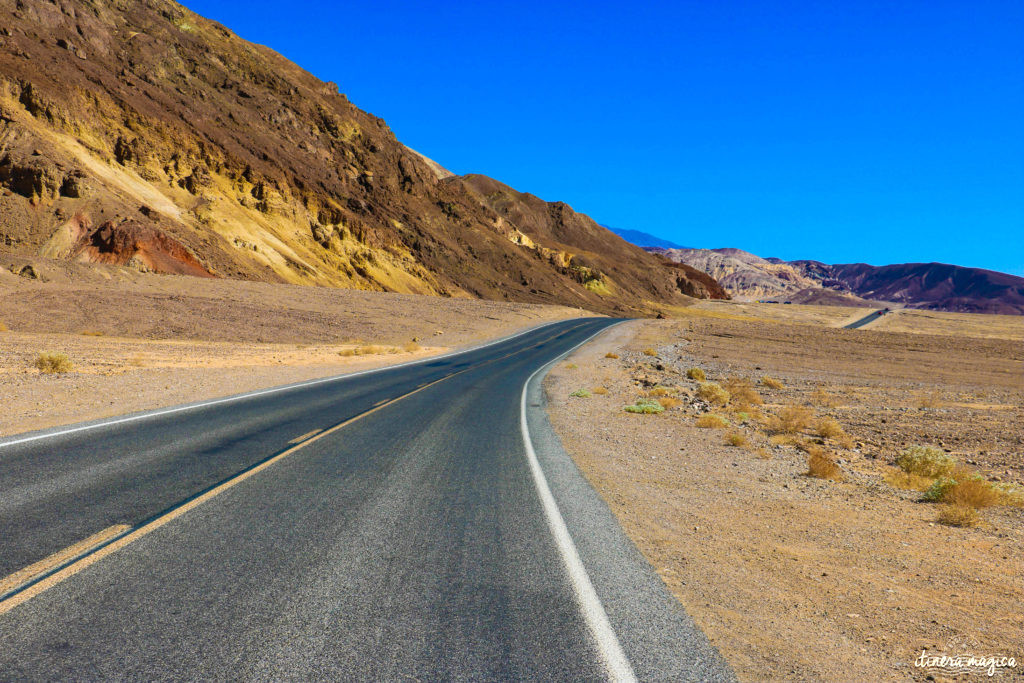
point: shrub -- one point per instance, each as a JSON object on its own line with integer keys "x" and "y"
{"x": 713, "y": 393}
{"x": 710, "y": 421}
{"x": 736, "y": 439}
{"x": 411, "y": 347}
{"x": 650, "y": 352}
{"x": 898, "y": 479}
{"x": 571, "y": 366}
{"x": 790, "y": 420}
{"x": 645, "y": 406}
{"x": 600, "y": 391}
{"x": 958, "y": 515}
{"x": 821, "y": 466}
{"x": 973, "y": 492}
{"x": 660, "y": 391}
{"x": 581, "y": 393}
{"x": 91, "y": 333}
{"x": 3, "y": 328}
{"x": 772, "y": 383}
{"x": 50, "y": 362}
{"x": 667, "y": 402}
{"x": 611, "y": 355}
{"x": 828, "y": 428}
{"x": 937, "y": 491}
{"x": 931, "y": 400}
{"x": 763, "y": 453}
{"x": 1009, "y": 493}
{"x": 741, "y": 417}
{"x": 820, "y": 397}
{"x": 927, "y": 461}
{"x": 696, "y": 374}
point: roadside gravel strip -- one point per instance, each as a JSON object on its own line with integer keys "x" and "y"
{"x": 392, "y": 525}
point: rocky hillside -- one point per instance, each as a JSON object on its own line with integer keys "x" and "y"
{"x": 141, "y": 134}
{"x": 933, "y": 286}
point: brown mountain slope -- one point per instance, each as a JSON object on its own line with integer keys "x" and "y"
{"x": 140, "y": 133}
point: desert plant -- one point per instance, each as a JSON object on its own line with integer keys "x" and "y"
{"x": 790, "y": 419}
{"x": 973, "y": 492}
{"x": 821, "y": 466}
{"x": 1009, "y": 493}
{"x": 667, "y": 402}
{"x": 696, "y": 374}
{"x": 927, "y": 461}
{"x": 958, "y": 515}
{"x": 772, "y": 383}
{"x": 660, "y": 391}
{"x": 600, "y": 391}
{"x": 709, "y": 421}
{"x": 742, "y": 417}
{"x": 49, "y": 362}
{"x": 829, "y": 428}
{"x": 930, "y": 400}
{"x": 411, "y": 347}
{"x": 571, "y": 366}
{"x": 713, "y": 393}
{"x": 937, "y": 490}
{"x": 581, "y": 393}
{"x": 736, "y": 439}
{"x": 820, "y": 397}
{"x": 784, "y": 440}
{"x": 743, "y": 392}
{"x": 650, "y": 352}
{"x": 3, "y": 328}
{"x": 645, "y": 406}
{"x": 898, "y": 479}
{"x": 611, "y": 355}
{"x": 91, "y": 333}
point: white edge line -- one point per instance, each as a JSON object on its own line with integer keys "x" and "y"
{"x": 615, "y": 662}
{"x": 264, "y": 392}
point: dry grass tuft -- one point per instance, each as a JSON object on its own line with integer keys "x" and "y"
{"x": 600, "y": 391}
{"x": 3, "y": 328}
{"x": 713, "y": 393}
{"x": 763, "y": 453}
{"x": 926, "y": 461}
{"x": 411, "y": 347}
{"x": 790, "y": 419}
{"x": 660, "y": 391}
{"x": 1010, "y": 494}
{"x": 822, "y": 399}
{"x": 821, "y": 466}
{"x": 973, "y": 492}
{"x": 898, "y": 479}
{"x": 772, "y": 383}
{"x": 742, "y": 392}
{"x": 931, "y": 400}
{"x": 650, "y": 352}
{"x": 611, "y": 355}
{"x": 828, "y": 428}
{"x": 91, "y": 333}
{"x": 785, "y": 440}
{"x": 710, "y": 421}
{"x": 49, "y": 362}
{"x": 667, "y": 402}
{"x": 736, "y": 439}
{"x": 958, "y": 515}
{"x": 696, "y": 374}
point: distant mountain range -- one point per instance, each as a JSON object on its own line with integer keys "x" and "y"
{"x": 644, "y": 239}
{"x": 935, "y": 286}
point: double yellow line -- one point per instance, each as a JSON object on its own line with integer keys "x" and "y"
{"x": 88, "y": 552}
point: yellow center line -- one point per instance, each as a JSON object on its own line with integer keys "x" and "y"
{"x": 60, "y": 557}
{"x": 154, "y": 524}
{"x": 300, "y": 439}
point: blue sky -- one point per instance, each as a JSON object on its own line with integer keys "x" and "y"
{"x": 882, "y": 132}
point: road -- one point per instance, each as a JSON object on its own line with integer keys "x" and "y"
{"x": 417, "y": 522}
{"x": 869, "y": 318}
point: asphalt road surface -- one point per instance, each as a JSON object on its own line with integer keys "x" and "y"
{"x": 414, "y": 523}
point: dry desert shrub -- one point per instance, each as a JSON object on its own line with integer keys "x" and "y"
{"x": 958, "y": 515}
{"x": 785, "y": 440}
{"x": 91, "y": 333}
{"x": 1009, "y": 494}
{"x": 571, "y": 366}
{"x": 772, "y": 383}
{"x": 696, "y": 374}
{"x": 645, "y": 406}
{"x": 611, "y": 355}
{"x": 822, "y": 399}
{"x": 973, "y": 492}
{"x": 49, "y": 362}
{"x": 926, "y": 461}
{"x": 580, "y": 393}
{"x": 821, "y": 466}
{"x": 742, "y": 392}
{"x": 650, "y": 352}
{"x": 931, "y": 400}
{"x": 600, "y": 391}
{"x": 829, "y": 428}
{"x": 898, "y": 479}
{"x": 660, "y": 391}
{"x": 736, "y": 439}
{"x": 763, "y": 453}
{"x": 667, "y": 402}
{"x": 710, "y": 421}
{"x": 713, "y": 393}
{"x": 411, "y": 347}
{"x": 790, "y": 419}
{"x": 3, "y": 328}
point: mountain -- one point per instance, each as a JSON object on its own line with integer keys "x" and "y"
{"x": 933, "y": 286}
{"x": 643, "y": 239}
{"x": 141, "y": 134}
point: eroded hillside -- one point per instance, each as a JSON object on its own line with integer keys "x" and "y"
{"x": 141, "y": 134}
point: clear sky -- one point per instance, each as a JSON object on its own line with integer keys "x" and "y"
{"x": 883, "y": 132}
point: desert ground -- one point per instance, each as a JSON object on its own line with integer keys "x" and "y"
{"x": 140, "y": 341}
{"x": 792, "y": 576}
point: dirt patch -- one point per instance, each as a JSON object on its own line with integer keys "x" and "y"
{"x": 794, "y": 577}
{"x": 137, "y": 342}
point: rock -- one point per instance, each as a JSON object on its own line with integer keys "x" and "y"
{"x": 28, "y": 272}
